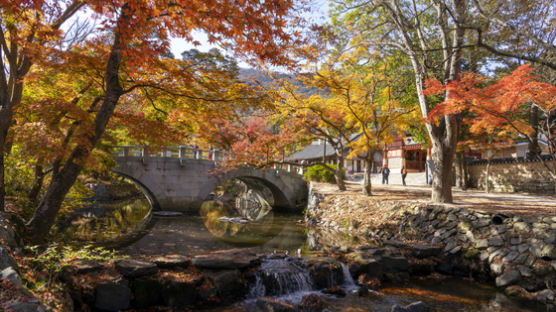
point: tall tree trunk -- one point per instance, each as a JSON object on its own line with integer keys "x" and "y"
{"x": 460, "y": 170}
{"x": 37, "y": 184}
{"x": 444, "y": 135}
{"x": 62, "y": 180}
{"x": 338, "y": 174}
{"x": 443, "y": 157}
{"x": 2, "y": 171}
{"x": 465, "y": 173}
{"x": 368, "y": 176}
{"x": 533, "y": 147}
{"x": 487, "y": 177}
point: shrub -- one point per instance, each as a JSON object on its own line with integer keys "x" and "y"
{"x": 318, "y": 173}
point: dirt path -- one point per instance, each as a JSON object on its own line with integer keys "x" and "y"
{"x": 516, "y": 203}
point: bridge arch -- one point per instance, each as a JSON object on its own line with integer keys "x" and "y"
{"x": 148, "y": 194}
{"x": 284, "y": 195}
{"x": 183, "y": 184}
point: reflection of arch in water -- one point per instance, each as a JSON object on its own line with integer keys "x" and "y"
{"x": 145, "y": 190}
{"x": 252, "y": 177}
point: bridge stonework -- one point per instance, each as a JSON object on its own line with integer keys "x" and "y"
{"x": 178, "y": 184}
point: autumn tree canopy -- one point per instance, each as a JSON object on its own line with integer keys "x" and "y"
{"x": 123, "y": 60}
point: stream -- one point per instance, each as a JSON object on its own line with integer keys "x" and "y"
{"x": 130, "y": 226}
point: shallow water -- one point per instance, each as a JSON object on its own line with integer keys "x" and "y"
{"x": 189, "y": 235}
{"x": 193, "y": 235}
{"x": 450, "y": 294}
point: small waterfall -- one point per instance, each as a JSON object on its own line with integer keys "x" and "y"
{"x": 349, "y": 283}
{"x": 279, "y": 277}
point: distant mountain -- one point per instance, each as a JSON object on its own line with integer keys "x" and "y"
{"x": 267, "y": 79}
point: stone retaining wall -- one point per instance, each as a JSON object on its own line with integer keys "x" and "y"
{"x": 513, "y": 177}
{"x": 513, "y": 251}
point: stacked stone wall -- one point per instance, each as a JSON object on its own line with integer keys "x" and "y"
{"x": 529, "y": 177}
{"x": 510, "y": 250}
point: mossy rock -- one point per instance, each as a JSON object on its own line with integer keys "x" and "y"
{"x": 441, "y": 217}
{"x": 464, "y": 226}
{"x": 471, "y": 252}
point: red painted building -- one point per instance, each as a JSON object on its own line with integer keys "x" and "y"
{"x": 405, "y": 151}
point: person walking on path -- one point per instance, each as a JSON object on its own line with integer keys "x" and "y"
{"x": 385, "y": 173}
{"x": 404, "y": 174}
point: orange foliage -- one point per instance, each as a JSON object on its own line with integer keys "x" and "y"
{"x": 497, "y": 109}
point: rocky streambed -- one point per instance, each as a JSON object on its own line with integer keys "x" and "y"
{"x": 366, "y": 279}
{"x": 515, "y": 253}
{"x": 412, "y": 257}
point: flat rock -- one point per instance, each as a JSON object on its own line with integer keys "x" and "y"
{"x": 395, "y": 243}
{"x": 521, "y": 226}
{"x": 497, "y": 268}
{"x": 495, "y": 242}
{"x": 167, "y": 213}
{"x": 508, "y": 278}
{"x": 135, "y": 268}
{"x": 228, "y": 259}
{"x": 170, "y": 261}
{"x": 515, "y": 240}
{"x": 424, "y": 251}
{"x": 511, "y": 256}
{"x": 83, "y": 266}
{"x": 455, "y": 250}
{"x": 481, "y": 243}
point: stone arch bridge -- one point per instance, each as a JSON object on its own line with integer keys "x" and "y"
{"x": 181, "y": 178}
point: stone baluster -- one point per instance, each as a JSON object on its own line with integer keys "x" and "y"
{"x": 182, "y": 154}
{"x": 144, "y": 155}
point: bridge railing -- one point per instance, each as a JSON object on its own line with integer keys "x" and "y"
{"x": 181, "y": 152}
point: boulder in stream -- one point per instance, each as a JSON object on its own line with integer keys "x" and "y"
{"x": 326, "y": 274}
{"x": 312, "y": 303}
{"x": 226, "y": 259}
{"x": 418, "y": 306}
{"x": 267, "y": 304}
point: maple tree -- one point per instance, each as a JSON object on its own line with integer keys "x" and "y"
{"x": 498, "y": 109}
{"x": 317, "y": 116}
{"x": 431, "y": 35}
{"x": 125, "y": 59}
{"x": 27, "y": 27}
{"x": 367, "y": 95}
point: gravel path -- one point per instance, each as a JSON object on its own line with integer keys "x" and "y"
{"x": 516, "y": 203}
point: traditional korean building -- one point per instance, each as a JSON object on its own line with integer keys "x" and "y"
{"x": 405, "y": 151}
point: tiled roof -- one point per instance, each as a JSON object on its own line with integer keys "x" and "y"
{"x": 312, "y": 151}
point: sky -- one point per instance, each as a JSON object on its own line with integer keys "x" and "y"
{"x": 318, "y": 14}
